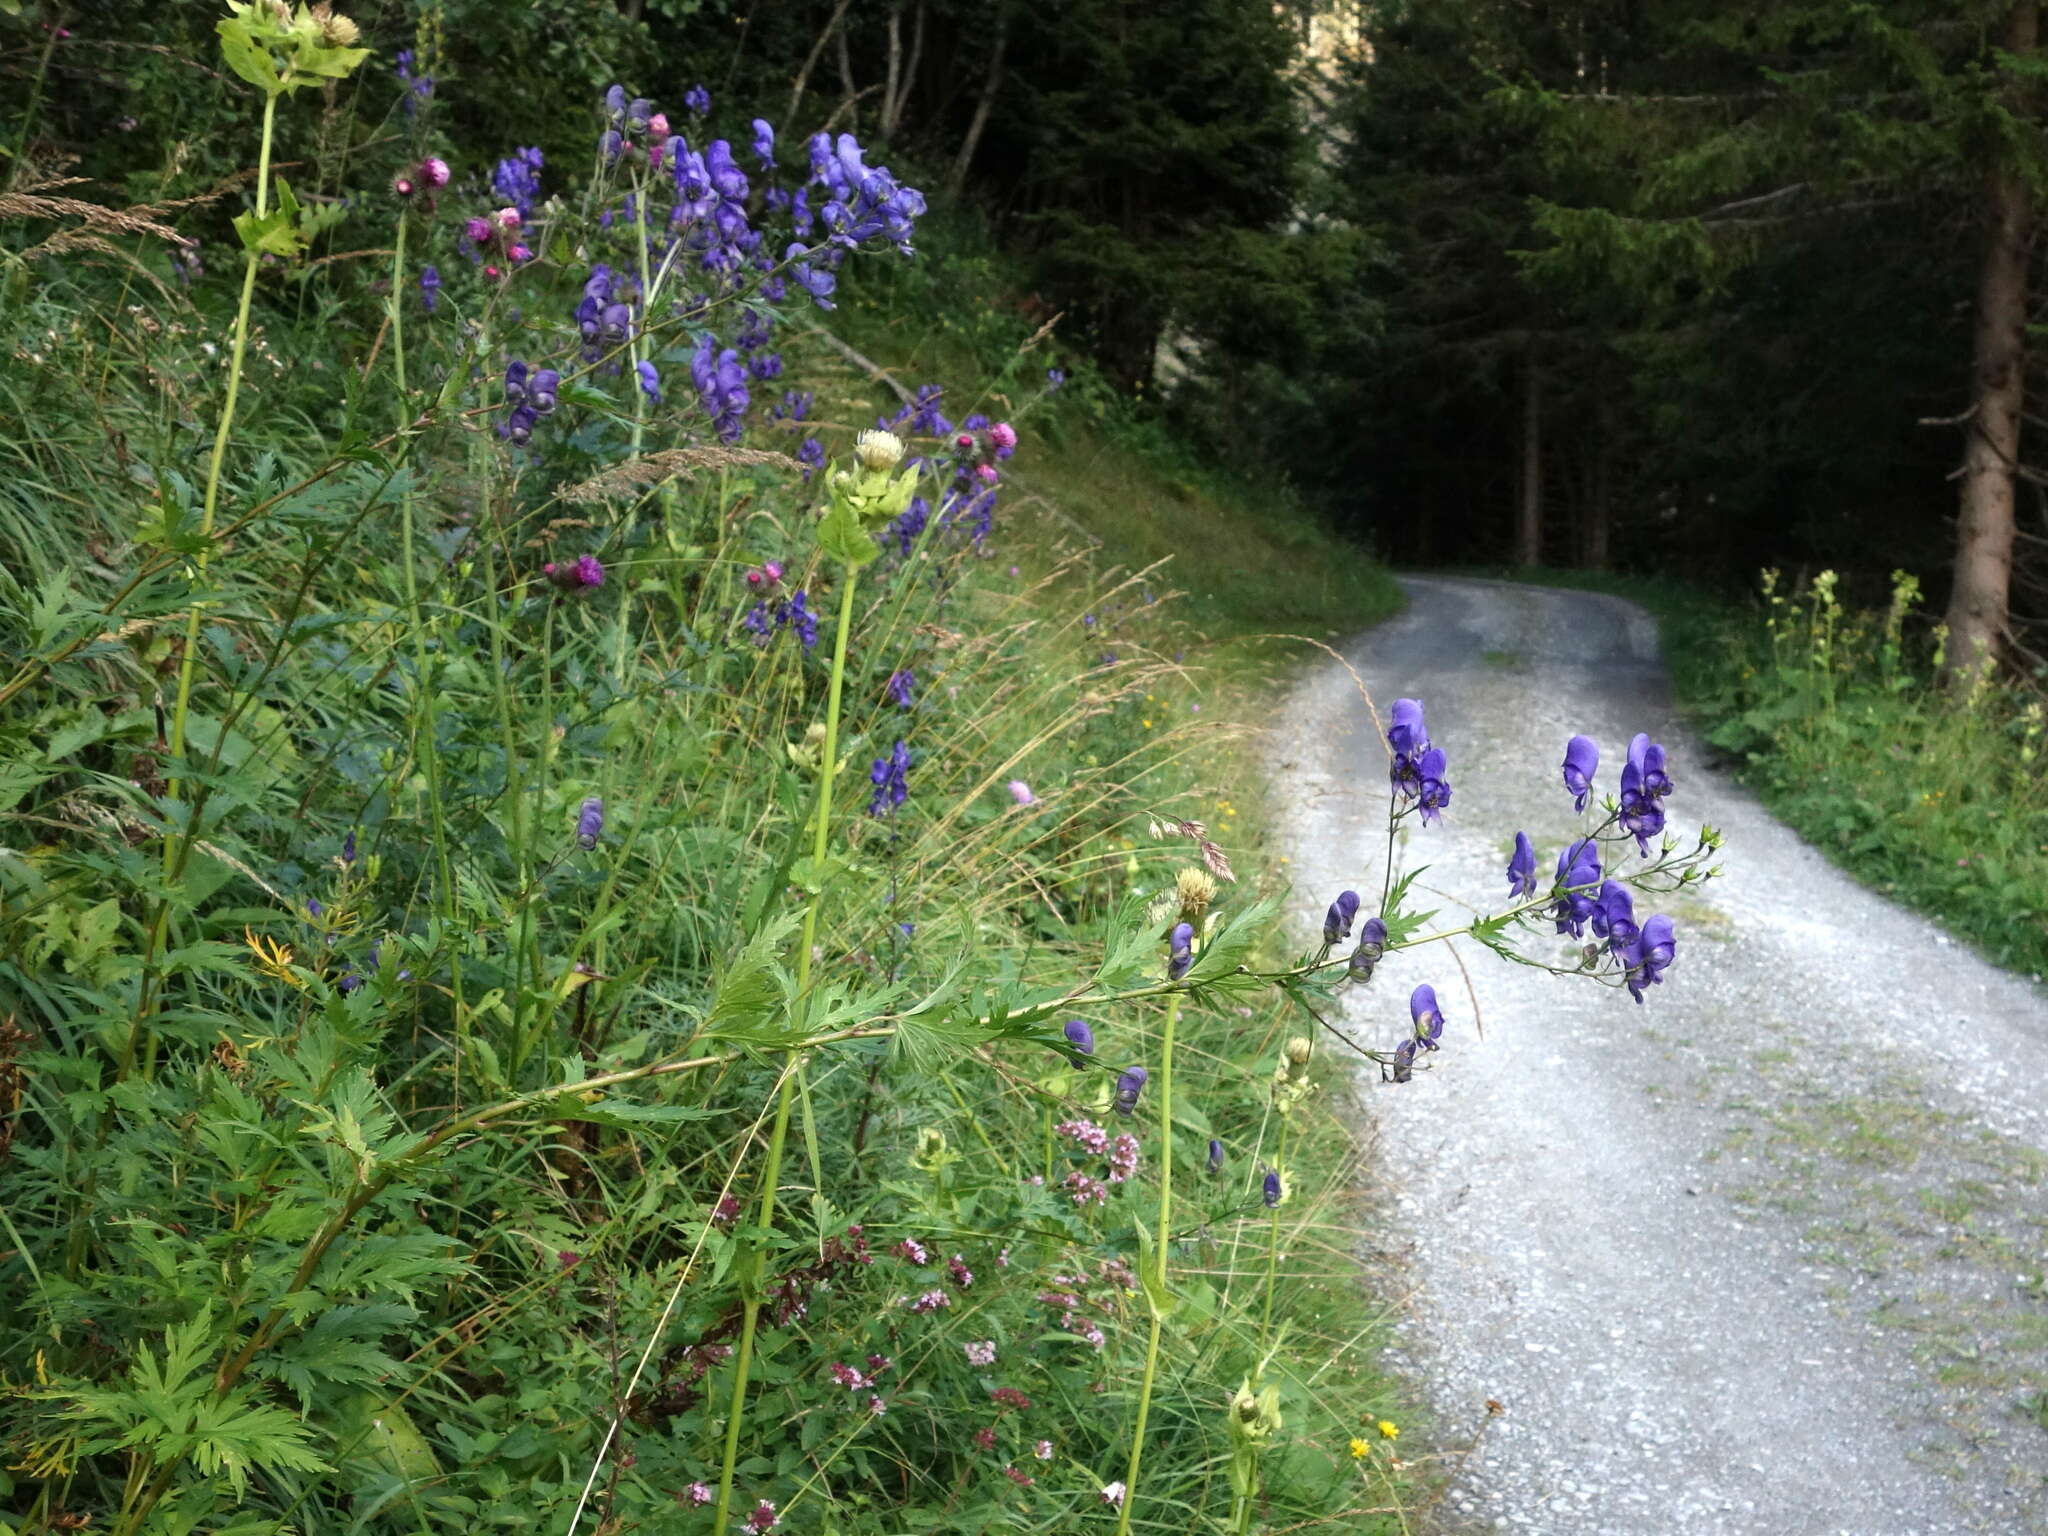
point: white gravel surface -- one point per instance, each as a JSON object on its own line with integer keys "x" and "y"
{"x": 1764, "y": 1254}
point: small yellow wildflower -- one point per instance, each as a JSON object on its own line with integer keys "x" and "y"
{"x": 1388, "y": 1429}
{"x": 1359, "y": 1450}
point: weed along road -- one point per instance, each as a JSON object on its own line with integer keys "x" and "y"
{"x": 1764, "y": 1253}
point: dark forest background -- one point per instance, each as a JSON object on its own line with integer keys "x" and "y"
{"x": 1651, "y": 285}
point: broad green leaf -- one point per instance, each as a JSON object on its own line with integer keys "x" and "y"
{"x": 842, "y": 537}
{"x": 247, "y": 57}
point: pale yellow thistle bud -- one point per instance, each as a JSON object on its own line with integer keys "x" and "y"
{"x": 1195, "y": 888}
{"x": 1299, "y": 1049}
{"x": 335, "y": 31}
{"x": 878, "y": 450}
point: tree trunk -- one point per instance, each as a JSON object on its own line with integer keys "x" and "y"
{"x": 1529, "y": 521}
{"x": 1593, "y": 552}
{"x": 957, "y": 178}
{"x": 1984, "y": 523}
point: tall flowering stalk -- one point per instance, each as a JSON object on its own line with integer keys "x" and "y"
{"x": 280, "y": 55}
{"x": 862, "y": 500}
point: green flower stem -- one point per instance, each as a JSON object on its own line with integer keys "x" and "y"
{"x": 426, "y": 742}
{"x": 1157, "y": 1284}
{"x": 220, "y": 448}
{"x": 793, "y": 1062}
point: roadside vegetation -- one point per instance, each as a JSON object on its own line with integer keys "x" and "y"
{"x": 1833, "y": 712}
{"x": 572, "y": 934}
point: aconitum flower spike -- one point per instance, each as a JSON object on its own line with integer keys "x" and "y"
{"x": 590, "y": 822}
{"x": 1215, "y": 1155}
{"x": 899, "y": 688}
{"x": 1270, "y": 1193}
{"x": 1522, "y": 868}
{"x": 1581, "y": 762}
{"x": 650, "y": 380}
{"x": 348, "y": 849}
{"x": 430, "y": 288}
{"x": 698, "y": 100}
{"x": 1080, "y": 1036}
{"x": 541, "y": 389}
{"x": 1180, "y": 951}
{"x": 764, "y": 142}
{"x": 1643, "y": 784}
{"x": 1129, "y": 1084}
{"x": 1429, "y": 1020}
{"x": 1372, "y": 943}
{"x": 1337, "y": 921}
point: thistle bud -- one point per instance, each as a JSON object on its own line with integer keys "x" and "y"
{"x": 335, "y": 31}
{"x": 878, "y": 450}
{"x": 1195, "y": 888}
{"x": 1299, "y": 1049}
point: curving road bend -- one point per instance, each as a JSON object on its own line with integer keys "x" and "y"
{"x": 1763, "y": 1255}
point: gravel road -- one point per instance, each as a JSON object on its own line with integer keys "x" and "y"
{"x": 1764, "y": 1254}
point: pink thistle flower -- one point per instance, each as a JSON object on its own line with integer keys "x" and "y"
{"x": 518, "y": 254}
{"x": 987, "y": 474}
{"x": 507, "y": 219}
{"x": 434, "y": 171}
{"x": 478, "y": 230}
{"x": 402, "y": 185}
{"x": 1003, "y": 435}
{"x": 1021, "y": 793}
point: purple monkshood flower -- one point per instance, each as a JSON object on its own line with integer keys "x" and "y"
{"x": 698, "y": 100}
{"x": 1432, "y": 790}
{"x": 650, "y": 380}
{"x": 1270, "y": 1191}
{"x": 1080, "y": 1036}
{"x": 764, "y": 143}
{"x": 1578, "y": 880}
{"x": 1646, "y": 959}
{"x": 1054, "y": 378}
{"x": 1337, "y": 921}
{"x": 899, "y": 687}
{"x": 1215, "y": 1155}
{"x": 1372, "y": 943}
{"x": 1614, "y": 916}
{"x": 1581, "y": 762}
{"x": 1429, "y": 1019}
{"x": 1407, "y": 735}
{"x": 348, "y": 849}
{"x": 430, "y": 288}
{"x": 891, "y": 777}
{"x": 1522, "y": 868}
{"x": 1180, "y": 953}
{"x": 1643, "y": 786}
{"x": 590, "y": 822}
{"x": 1129, "y": 1084}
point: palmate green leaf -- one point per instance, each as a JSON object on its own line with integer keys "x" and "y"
{"x": 1131, "y": 949}
{"x": 341, "y": 1348}
{"x": 626, "y": 1114}
{"x": 752, "y": 1002}
{"x": 1401, "y": 923}
{"x": 1231, "y": 945}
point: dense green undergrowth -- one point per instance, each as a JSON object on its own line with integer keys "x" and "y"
{"x": 488, "y": 1048}
{"x": 1833, "y": 716}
